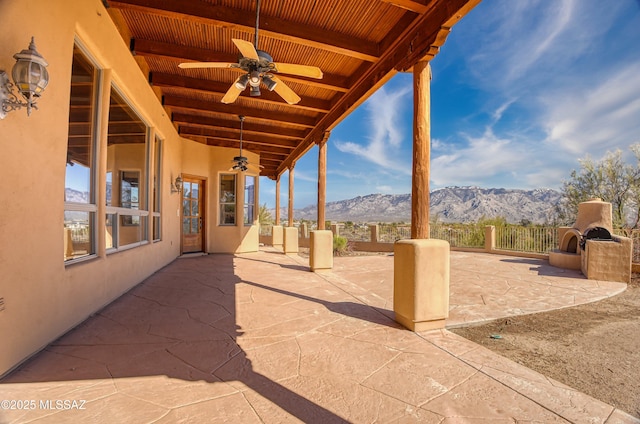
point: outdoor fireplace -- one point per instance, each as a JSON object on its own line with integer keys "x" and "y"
{"x": 590, "y": 246}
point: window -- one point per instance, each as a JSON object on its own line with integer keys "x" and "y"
{"x": 157, "y": 179}
{"x": 80, "y": 206}
{"x": 127, "y": 176}
{"x": 227, "y": 199}
{"x": 249, "y": 199}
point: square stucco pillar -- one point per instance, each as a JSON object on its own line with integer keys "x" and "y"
{"x": 321, "y": 250}
{"x": 421, "y": 283}
{"x": 290, "y": 240}
{"x": 276, "y": 236}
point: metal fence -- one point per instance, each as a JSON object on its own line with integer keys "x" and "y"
{"x": 459, "y": 235}
{"x": 526, "y": 239}
{"x": 532, "y": 239}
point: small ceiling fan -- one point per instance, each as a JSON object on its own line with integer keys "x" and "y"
{"x": 241, "y": 163}
{"x": 259, "y": 68}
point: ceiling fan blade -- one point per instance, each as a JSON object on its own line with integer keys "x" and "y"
{"x": 300, "y": 70}
{"x": 232, "y": 93}
{"x": 285, "y": 92}
{"x": 246, "y": 48}
{"x": 196, "y": 65}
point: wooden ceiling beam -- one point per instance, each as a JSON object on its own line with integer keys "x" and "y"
{"x": 199, "y": 11}
{"x": 235, "y": 136}
{"x": 149, "y": 48}
{"x": 195, "y": 84}
{"x": 255, "y": 148}
{"x": 234, "y": 109}
{"x": 410, "y": 5}
{"x": 248, "y": 127}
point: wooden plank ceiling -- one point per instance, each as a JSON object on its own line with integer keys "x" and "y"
{"x": 358, "y": 44}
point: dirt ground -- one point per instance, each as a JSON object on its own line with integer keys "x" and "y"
{"x": 594, "y": 348}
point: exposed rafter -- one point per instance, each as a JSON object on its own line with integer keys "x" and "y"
{"x": 358, "y": 45}
{"x": 238, "y": 19}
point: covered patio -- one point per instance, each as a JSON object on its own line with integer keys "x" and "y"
{"x": 258, "y": 338}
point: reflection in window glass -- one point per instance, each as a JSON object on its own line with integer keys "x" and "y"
{"x": 80, "y": 176}
{"x": 109, "y": 185}
{"x": 110, "y": 231}
{"x": 227, "y": 199}
{"x": 157, "y": 188}
{"x": 249, "y": 199}
{"x": 78, "y": 234}
{"x": 127, "y": 162}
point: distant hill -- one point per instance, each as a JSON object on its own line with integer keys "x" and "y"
{"x": 450, "y": 204}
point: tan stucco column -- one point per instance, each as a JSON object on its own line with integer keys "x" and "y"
{"x": 276, "y": 230}
{"x": 290, "y": 244}
{"x": 321, "y": 241}
{"x": 421, "y": 265}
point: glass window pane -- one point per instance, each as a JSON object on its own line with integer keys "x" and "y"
{"x": 109, "y": 185}
{"x": 127, "y": 153}
{"x": 110, "y": 231}
{"x": 185, "y": 225}
{"x": 157, "y": 175}
{"x": 185, "y": 207}
{"x": 249, "y": 198}
{"x": 227, "y": 188}
{"x": 157, "y": 234}
{"x": 194, "y": 225}
{"x": 80, "y": 144}
{"x": 194, "y": 190}
{"x": 131, "y": 229}
{"x": 78, "y": 231}
{"x": 194, "y": 208}
{"x": 228, "y": 214}
{"x": 186, "y": 190}
{"x": 130, "y": 190}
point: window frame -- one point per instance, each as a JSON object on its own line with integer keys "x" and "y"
{"x": 119, "y": 213}
{"x": 249, "y": 220}
{"x": 95, "y": 121}
{"x": 156, "y": 189}
{"x": 221, "y": 204}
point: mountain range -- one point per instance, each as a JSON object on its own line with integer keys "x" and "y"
{"x": 450, "y": 204}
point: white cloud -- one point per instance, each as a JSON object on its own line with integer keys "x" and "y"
{"x": 599, "y": 118}
{"x": 481, "y": 159}
{"x": 384, "y": 188}
{"x": 384, "y": 110}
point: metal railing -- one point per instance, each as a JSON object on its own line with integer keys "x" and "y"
{"x": 526, "y": 239}
{"x": 459, "y": 235}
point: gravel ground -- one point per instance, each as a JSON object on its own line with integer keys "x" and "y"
{"x": 594, "y": 348}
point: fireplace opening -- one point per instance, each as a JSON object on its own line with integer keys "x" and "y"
{"x": 595, "y": 233}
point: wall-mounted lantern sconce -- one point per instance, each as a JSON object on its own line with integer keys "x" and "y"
{"x": 177, "y": 185}
{"x": 30, "y": 77}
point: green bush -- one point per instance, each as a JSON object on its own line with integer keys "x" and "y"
{"x": 339, "y": 245}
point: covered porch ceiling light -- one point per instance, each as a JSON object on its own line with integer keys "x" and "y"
{"x": 30, "y": 77}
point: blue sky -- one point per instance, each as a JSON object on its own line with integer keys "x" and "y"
{"x": 521, "y": 90}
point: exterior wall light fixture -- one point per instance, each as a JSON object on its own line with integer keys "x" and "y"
{"x": 30, "y": 77}
{"x": 177, "y": 185}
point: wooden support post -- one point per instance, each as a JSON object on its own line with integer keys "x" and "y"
{"x": 421, "y": 151}
{"x": 322, "y": 179}
{"x": 291, "y": 175}
{"x": 278, "y": 200}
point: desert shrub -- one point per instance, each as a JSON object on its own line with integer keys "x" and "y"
{"x": 339, "y": 245}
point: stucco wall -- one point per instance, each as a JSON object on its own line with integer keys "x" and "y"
{"x": 43, "y": 298}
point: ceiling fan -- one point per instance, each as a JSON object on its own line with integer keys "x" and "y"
{"x": 241, "y": 163}
{"x": 259, "y": 68}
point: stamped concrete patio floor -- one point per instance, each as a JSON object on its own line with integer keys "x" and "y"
{"x": 258, "y": 338}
